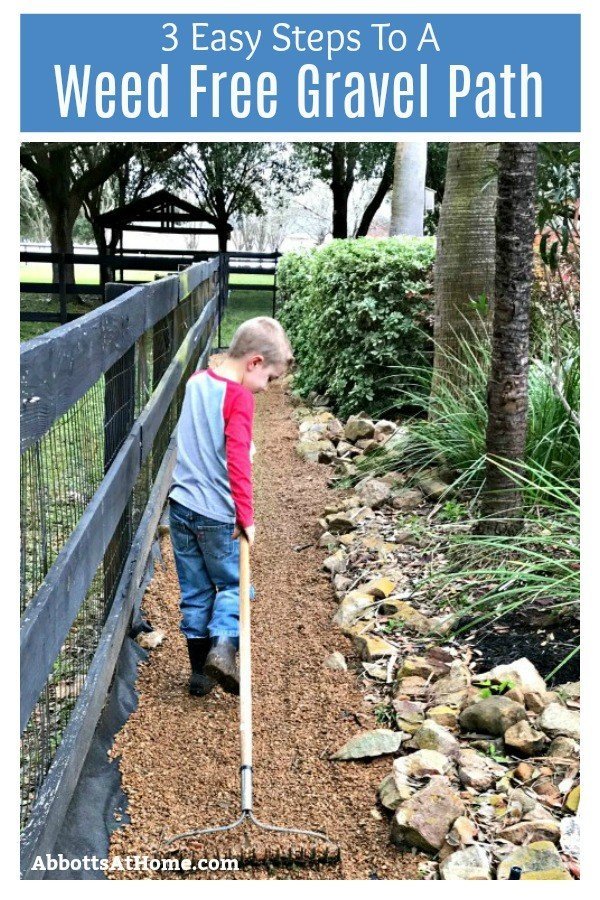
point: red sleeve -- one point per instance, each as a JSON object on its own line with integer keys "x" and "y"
{"x": 238, "y": 412}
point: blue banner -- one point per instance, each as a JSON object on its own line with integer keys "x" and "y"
{"x": 300, "y": 73}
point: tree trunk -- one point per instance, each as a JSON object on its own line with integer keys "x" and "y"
{"x": 223, "y": 233}
{"x": 62, "y": 220}
{"x": 464, "y": 266}
{"x": 378, "y": 197}
{"x": 507, "y": 386}
{"x": 342, "y": 180}
{"x": 408, "y": 192}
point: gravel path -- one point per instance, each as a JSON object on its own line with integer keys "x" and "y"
{"x": 179, "y": 755}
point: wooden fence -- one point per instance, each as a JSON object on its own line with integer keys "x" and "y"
{"x": 137, "y": 351}
{"x": 234, "y": 262}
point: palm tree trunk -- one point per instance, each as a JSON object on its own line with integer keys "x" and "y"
{"x": 464, "y": 266}
{"x": 507, "y": 386}
{"x": 408, "y": 192}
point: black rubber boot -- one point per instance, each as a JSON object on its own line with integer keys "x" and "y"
{"x": 221, "y": 663}
{"x": 200, "y": 684}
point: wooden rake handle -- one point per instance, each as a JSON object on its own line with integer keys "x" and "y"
{"x": 245, "y": 675}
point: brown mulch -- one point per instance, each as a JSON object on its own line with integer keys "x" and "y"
{"x": 180, "y": 755}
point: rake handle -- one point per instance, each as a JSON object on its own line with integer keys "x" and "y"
{"x": 245, "y": 677}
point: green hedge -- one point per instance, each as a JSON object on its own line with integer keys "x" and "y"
{"x": 352, "y": 310}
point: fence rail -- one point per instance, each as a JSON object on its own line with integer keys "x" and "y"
{"x": 100, "y": 398}
{"x": 236, "y": 263}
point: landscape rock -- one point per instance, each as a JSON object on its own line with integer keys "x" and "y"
{"x": 558, "y": 721}
{"x": 379, "y": 587}
{"x": 413, "y": 688}
{"x": 347, "y": 450}
{"x": 527, "y": 831}
{"x": 432, "y": 736}
{"x": 539, "y": 860}
{"x": 335, "y": 430}
{"x": 367, "y": 445}
{"x": 493, "y": 715}
{"x": 523, "y": 772}
{"x": 425, "y": 668}
{"x": 327, "y": 541}
{"x": 373, "y": 492}
{"x": 432, "y": 487}
{"x": 341, "y": 583}
{"x": 150, "y": 640}
{"x": 398, "y": 441}
{"x": 409, "y": 715}
{"x": 463, "y": 832}
{"x": 516, "y": 694}
{"x": 572, "y": 801}
{"x": 521, "y": 673}
{"x": 337, "y": 563}
{"x": 311, "y": 450}
{"x": 388, "y": 793}
{"x": 453, "y": 689}
{"x": 525, "y": 740}
{"x": 475, "y": 771}
{"x": 336, "y": 662}
{"x": 407, "y": 499}
{"x": 536, "y": 702}
{"x": 412, "y": 618}
{"x": 443, "y": 715}
{"x": 372, "y": 647}
{"x": 564, "y": 747}
{"x": 571, "y": 690}
{"x": 378, "y": 742}
{"x": 384, "y": 428}
{"x": 351, "y": 607}
{"x": 569, "y": 836}
{"x": 471, "y": 864}
{"x": 357, "y": 428}
{"x": 421, "y": 764}
{"x": 424, "y": 820}
{"x": 340, "y": 523}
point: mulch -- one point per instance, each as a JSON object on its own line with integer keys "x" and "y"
{"x": 179, "y": 755}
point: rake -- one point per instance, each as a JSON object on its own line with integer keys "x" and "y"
{"x": 317, "y": 847}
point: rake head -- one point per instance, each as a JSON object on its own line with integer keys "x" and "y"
{"x": 305, "y": 848}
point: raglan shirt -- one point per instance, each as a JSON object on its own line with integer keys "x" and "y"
{"x": 213, "y": 472}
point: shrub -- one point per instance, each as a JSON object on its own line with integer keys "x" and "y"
{"x": 354, "y": 309}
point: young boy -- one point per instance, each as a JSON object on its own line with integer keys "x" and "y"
{"x": 211, "y": 496}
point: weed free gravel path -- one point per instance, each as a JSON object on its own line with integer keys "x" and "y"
{"x": 179, "y": 755}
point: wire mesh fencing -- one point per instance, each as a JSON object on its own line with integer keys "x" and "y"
{"x": 61, "y": 473}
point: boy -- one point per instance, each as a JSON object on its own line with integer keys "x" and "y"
{"x": 211, "y": 496}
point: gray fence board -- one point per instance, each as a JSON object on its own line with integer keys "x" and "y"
{"x": 49, "y": 616}
{"x": 57, "y": 368}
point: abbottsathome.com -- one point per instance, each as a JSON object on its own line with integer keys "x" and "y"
{"x": 60, "y": 863}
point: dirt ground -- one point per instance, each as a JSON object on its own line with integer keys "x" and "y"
{"x": 180, "y": 756}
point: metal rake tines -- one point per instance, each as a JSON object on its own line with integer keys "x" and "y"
{"x": 329, "y": 852}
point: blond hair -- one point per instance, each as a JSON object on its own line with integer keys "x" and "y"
{"x": 264, "y": 336}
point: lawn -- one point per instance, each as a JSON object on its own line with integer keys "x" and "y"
{"x": 242, "y": 305}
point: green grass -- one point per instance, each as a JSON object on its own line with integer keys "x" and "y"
{"x": 84, "y": 274}
{"x": 243, "y": 305}
{"x": 490, "y": 576}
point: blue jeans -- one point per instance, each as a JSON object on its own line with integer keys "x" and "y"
{"x": 207, "y": 560}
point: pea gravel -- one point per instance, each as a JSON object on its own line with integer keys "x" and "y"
{"x": 179, "y": 755}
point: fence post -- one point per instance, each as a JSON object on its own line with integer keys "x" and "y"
{"x": 276, "y": 260}
{"x": 119, "y": 414}
{"x": 62, "y": 286}
{"x": 223, "y": 283}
